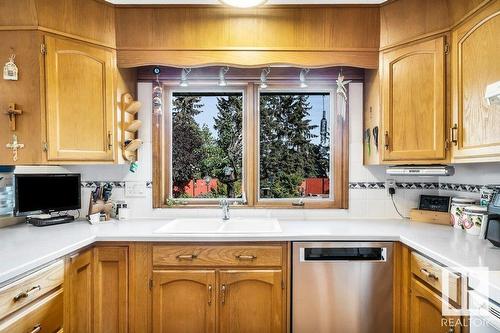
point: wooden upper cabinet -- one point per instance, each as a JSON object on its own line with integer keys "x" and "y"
{"x": 110, "y": 289}
{"x": 78, "y": 287}
{"x": 79, "y": 101}
{"x": 425, "y": 311}
{"x": 184, "y": 301}
{"x": 475, "y": 64}
{"x": 250, "y": 301}
{"x": 413, "y": 102}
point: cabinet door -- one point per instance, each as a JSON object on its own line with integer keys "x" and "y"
{"x": 110, "y": 289}
{"x": 78, "y": 287}
{"x": 413, "y": 101}
{"x": 251, "y": 301}
{"x": 184, "y": 301}
{"x": 425, "y": 311}
{"x": 475, "y": 65}
{"x": 79, "y": 99}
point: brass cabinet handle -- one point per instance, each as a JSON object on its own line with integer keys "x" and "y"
{"x": 186, "y": 256}
{"x": 37, "y": 328}
{"x": 428, "y": 274}
{"x": 209, "y": 294}
{"x": 386, "y": 140}
{"x": 454, "y": 134}
{"x": 27, "y": 293}
{"x": 246, "y": 257}
{"x": 110, "y": 140}
{"x": 223, "y": 294}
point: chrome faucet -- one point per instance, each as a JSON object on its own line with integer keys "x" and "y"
{"x": 224, "y": 204}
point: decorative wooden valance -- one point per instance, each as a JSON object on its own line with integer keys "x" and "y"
{"x": 200, "y": 58}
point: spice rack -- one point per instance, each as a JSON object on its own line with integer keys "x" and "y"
{"x": 130, "y": 127}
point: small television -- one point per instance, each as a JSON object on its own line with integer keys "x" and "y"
{"x": 46, "y": 193}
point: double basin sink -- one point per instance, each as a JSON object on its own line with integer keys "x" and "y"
{"x": 219, "y": 226}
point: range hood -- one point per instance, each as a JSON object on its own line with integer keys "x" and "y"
{"x": 421, "y": 170}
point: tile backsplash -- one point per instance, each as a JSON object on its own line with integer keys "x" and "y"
{"x": 367, "y": 194}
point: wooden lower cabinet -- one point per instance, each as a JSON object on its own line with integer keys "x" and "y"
{"x": 96, "y": 291}
{"x": 110, "y": 289}
{"x": 78, "y": 288}
{"x": 425, "y": 311}
{"x": 184, "y": 301}
{"x": 250, "y": 301}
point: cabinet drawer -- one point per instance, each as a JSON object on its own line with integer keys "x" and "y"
{"x": 26, "y": 290}
{"x": 43, "y": 316}
{"x": 434, "y": 275}
{"x": 217, "y": 255}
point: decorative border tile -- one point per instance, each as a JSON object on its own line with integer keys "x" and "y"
{"x": 352, "y": 185}
{"x": 418, "y": 186}
{"x": 366, "y": 185}
{"x": 95, "y": 183}
{"x": 460, "y": 187}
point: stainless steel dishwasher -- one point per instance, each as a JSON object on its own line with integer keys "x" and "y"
{"x": 342, "y": 287}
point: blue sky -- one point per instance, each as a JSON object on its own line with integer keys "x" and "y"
{"x": 210, "y": 111}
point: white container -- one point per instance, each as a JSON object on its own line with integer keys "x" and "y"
{"x": 457, "y": 208}
{"x": 123, "y": 214}
{"x": 474, "y": 219}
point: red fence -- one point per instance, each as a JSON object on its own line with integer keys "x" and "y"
{"x": 310, "y": 186}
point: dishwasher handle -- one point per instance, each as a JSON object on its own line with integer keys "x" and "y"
{"x": 342, "y": 254}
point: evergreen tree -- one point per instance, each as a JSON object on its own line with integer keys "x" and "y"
{"x": 228, "y": 124}
{"x": 287, "y": 154}
{"x": 187, "y": 142}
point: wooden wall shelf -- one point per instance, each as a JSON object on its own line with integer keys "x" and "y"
{"x": 130, "y": 126}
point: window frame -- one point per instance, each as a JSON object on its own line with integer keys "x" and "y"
{"x": 162, "y": 144}
{"x": 338, "y": 155}
{"x": 161, "y": 152}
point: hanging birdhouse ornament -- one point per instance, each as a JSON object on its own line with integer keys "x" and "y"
{"x": 10, "y": 71}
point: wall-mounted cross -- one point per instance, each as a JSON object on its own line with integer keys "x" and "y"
{"x": 12, "y": 112}
{"x": 14, "y": 146}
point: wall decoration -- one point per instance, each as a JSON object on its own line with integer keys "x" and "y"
{"x": 12, "y": 112}
{"x": 14, "y": 146}
{"x": 10, "y": 70}
{"x": 342, "y": 93}
{"x": 157, "y": 94}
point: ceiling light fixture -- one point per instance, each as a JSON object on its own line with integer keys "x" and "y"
{"x": 222, "y": 78}
{"x": 302, "y": 77}
{"x": 243, "y": 3}
{"x": 263, "y": 77}
{"x": 184, "y": 77}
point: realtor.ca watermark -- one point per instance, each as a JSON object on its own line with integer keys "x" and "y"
{"x": 463, "y": 322}
{"x": 466, "y": 297}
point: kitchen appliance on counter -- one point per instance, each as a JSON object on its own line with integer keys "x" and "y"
{"x": 340, "y": 287}
{"x": 492, "y": 232}
{"x": 46, "y": 194}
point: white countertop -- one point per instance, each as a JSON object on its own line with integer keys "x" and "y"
{"x": 24, "y": 247}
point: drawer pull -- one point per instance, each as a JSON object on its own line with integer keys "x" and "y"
{"x": 186, "y": 256}
{"x": 428, "y": 274}
{"x": 37, "y": 328}
{"x": 223, "y": 294}
{"x": 27, "y": 293}
{"x": 209, "y": 294}
{"x": 246, "y": 257}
